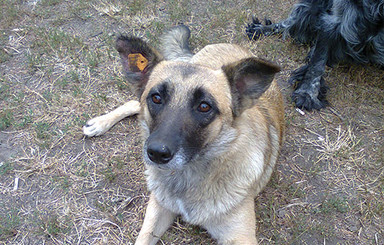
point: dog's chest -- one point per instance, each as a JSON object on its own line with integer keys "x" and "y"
{"x": 196, "y": 210}
{"x": 177, "y": 192}
{"x": 197, "y": 199}
{"x": 180, "y": 206}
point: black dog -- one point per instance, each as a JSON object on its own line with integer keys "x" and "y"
{"x": 338, "y": 31}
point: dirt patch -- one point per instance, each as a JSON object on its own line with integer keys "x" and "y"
{"x": 6, "y": 150}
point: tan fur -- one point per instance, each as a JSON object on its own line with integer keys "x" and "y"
{"x": 240, "y": 152}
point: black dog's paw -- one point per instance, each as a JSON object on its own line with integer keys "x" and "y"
{"x": 306, "y": 101}
{"x": 310, "y": 94}
{"x": 254, "y": 30}
{"x": 267, "y": 22}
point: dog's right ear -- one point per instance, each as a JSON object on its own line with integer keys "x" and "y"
{"x": 138, "y": 60}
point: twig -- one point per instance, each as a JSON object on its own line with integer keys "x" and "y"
{"x": 16, "y": 186}
{"x": 336, "y": 113}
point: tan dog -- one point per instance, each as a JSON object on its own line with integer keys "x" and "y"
{"x": 212, "y": 127}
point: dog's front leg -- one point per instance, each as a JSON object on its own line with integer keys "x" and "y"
{"x": 310, "y": 86}
{"x": 239, "y": 228}
{"x": 101, "y": 124}
{"x": 157, "y": 220}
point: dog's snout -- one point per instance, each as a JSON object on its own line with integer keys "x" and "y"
{"x": 159, "y": 153}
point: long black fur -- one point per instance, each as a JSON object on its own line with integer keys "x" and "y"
{"x": 338, "y": 31}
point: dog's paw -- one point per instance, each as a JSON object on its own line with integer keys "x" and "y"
{"x": 306, "y": 101}
{"x": 254, "y": 30}
{"x": 97, "y": 126}
{"x": 310, "y": 95}
{"x": 268, "y": 21}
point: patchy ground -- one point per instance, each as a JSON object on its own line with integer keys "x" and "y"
{"x": 58, "y": 68}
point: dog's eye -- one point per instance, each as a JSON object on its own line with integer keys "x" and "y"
{"x": 156, "y": 98}
{"x": 204, "y": 107}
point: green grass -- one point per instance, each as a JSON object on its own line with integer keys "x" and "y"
{"x": 5, "y": 89}
{"x": 81, "y": 169}
{"x": 134, "y": 7}
{"x": 109, "y": 174}
{"x": 56, "y": 42}
{"x": 62, "y": 182}
{"x": 9, "y": 223}
{"x": 4, "y": 56}
{"x": 35, "y": 62}
{"x": 50, "y": 225}
{"x": 12, "y": 103}
{"x": 6, "y": 167}
{"x": 50, "y": 2}
{"x": 10, "y": 13}
{"x": 42, "y": 130}
{"x": 6, "y": 119}
{"x": 334, "y": 204}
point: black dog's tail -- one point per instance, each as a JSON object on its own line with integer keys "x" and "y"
{"x": 175, "y": 44}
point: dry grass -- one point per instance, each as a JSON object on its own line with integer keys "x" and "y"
{"x": 58, "y": 68}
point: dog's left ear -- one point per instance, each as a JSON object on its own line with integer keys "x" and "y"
{"x": 249, "y": 78}
{"x": 138, "y": 60}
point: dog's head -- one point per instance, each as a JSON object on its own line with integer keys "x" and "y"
{"x": 188, "y": 110}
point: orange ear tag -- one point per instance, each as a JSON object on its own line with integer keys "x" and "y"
{"x": 137, "y": 62}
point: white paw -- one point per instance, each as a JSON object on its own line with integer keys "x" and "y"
{"x": 97, "y": 126}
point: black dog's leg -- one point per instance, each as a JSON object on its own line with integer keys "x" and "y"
{"x": 310, "y": 87}
{"x": 309, "y": 83}
{"x": 256, "y": 29}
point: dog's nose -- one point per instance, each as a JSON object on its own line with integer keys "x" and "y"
{"x": 159, "y": 153}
